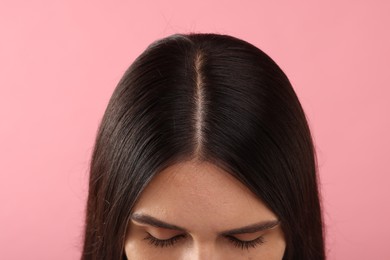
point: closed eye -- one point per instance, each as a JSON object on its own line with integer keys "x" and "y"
{"x": 246, "y": 244}
{"x": 164, "y": 242}
{"x": 235, "y": 241}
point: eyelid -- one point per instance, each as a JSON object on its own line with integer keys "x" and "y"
{"x": 163, "y": 242}
{"x": 243, "y": 244}
{"x": 240, "y": 237}
{"x": 241, "y": 240}
{"x": 246, "y": 244}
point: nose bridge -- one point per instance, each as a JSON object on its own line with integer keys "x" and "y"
{"x": 206, "y": 250}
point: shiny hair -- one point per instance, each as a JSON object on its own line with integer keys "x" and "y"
{"x": 208, "y": 97}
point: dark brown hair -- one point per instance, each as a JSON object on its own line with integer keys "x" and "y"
{"x": 208, "y": 97}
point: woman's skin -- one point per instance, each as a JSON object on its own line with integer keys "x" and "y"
{"x": 201, "y": 207}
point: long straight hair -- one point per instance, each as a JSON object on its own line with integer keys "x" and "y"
{"x": 214, "y": 98}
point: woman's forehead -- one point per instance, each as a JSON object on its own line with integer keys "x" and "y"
{"x": 201, "y": 194}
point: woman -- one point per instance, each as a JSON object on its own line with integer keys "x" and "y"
{"x": 204, "y": 152}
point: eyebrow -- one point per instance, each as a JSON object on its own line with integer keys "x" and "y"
{"x": 253, "y": 228}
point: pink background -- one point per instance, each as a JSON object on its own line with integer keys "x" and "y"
{"x": 60, "y": 61}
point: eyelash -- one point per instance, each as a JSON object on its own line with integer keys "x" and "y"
{"x": 163, "y": 243}
{"x": 236, "y": 242}
{"x": 246, "y": 244}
